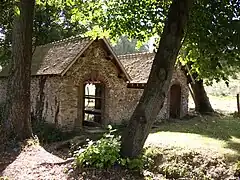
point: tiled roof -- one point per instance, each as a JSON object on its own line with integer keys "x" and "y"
{"x": 138, "y": 65}
{"x": 55, "y": 57}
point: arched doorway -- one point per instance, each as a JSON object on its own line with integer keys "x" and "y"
{"x": 175, "y": 101}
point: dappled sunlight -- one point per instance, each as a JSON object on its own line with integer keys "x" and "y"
{"x": 234, "y": 144}
{"x": 190, "y": 141}
{"x": 217, "y": 127}
{"x": 235, "y": 139}
{"x": 212, "y": 134}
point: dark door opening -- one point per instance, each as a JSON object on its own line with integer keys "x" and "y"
{"x": 93, "y": 102}
{"x": 175, "y": 101}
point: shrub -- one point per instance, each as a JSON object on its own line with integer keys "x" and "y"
{"x": 237, "y": 169}
{"x": 174, "y": 170}
{"x": 103, "y": 153}
{"x": 153, "y": 157}
{"x": 170, "y": 163}
{"x": 4, "y": 178}
{"x": 134, "y": 164}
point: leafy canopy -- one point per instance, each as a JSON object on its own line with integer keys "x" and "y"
{"x": 211, "y": 42}
{"x": 54, "y": 20}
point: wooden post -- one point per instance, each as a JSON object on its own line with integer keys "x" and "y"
{"x": 98, "y": 101}
{"x": 79, "y": 120}
{"x": 192, "y": 94}
{"x": 238, "y": 106}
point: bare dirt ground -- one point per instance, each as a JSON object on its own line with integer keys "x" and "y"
{"x": 36, "y": 163}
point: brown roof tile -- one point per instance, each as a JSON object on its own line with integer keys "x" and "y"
{"x": 55, "y": 57}
{"x": 138, "y": 65}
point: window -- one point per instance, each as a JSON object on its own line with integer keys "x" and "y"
{"x": 93, "y": 101}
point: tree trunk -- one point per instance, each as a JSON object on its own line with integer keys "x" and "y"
{"x": 201, "y": 100}
{"x": 17, "y": 122}
{"x": 159, "y": 80}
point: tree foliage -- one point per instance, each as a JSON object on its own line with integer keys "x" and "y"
{"x": 211, "y": 43}
{"x": 53, "y": 20}
{"x": 6, "y": 19}
{"x": 126, "y": 46}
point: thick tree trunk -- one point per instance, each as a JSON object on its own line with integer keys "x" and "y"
{"x": 17, "y": 122}
{"x": 201, "y": 100}
{"x": 159, "y": 80}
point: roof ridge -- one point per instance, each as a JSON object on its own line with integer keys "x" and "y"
{"x": 69, "y": 39}
{"x": 137, "y": 53}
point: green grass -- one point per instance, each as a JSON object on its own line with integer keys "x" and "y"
{"x": 223, "y": 104}
{"x": 230, "y": 98}
{"x": 213, "y": 134}
{"x": 220, "y": 88}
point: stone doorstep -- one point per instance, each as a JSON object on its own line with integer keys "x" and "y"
{"x": 66, "y": 144}
{"x": 93, "y": 130}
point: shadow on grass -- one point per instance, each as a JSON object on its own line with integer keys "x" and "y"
{"x": 222, "y": 128}
{"x": 217, "y": 127}
{"x": 236, "y": 147}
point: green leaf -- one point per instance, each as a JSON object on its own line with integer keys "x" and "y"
{"x": 16, "y": 11}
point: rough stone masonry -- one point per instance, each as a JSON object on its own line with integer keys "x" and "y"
{"x": 60, "y": 70}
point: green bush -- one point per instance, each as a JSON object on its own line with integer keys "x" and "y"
{"x": 133, "y": 164}
{"x": 170, "y": 163}
{"x": 152, "y": 157}
{"x": 174, "y": 170}
{"x": 103, "y": 153}
{"x": 237, "y": 169}
{"x": 4, "y": 178}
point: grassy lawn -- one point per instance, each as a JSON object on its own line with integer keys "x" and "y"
{"x": 212, "y": 135}
{"x": 223, "y": 104}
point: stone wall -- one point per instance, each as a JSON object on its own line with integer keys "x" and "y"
{"x": 133, "y": 95}
{"x": 94, "y": 65}
{"x": 58, "y": 99}
{"x": 120, "y": 101}
{"x": 180, "y": 78}
{"x": 45, "y": 99}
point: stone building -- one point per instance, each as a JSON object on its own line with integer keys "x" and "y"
{"x": 75, "y": 81}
